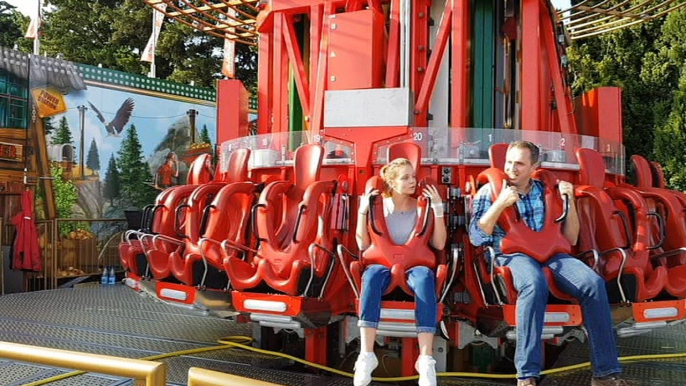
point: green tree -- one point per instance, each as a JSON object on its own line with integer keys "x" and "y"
{"x": 135, "y": 176}
{"x": 111, "y": 186}
{"x": 49, "y": 125}
{"x": 65, "y": 198}
{"x": 667, "y": 69}
{"x": 113, "y": 33}
{"x": 11, "y": 23}
{"x": 63, "y": 134}
{"x": 93, "y": 159}
{"x": 205, "y": 135}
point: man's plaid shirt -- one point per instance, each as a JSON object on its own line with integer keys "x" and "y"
{"x": 531, "y": 207}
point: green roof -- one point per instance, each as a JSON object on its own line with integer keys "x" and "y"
{"x": 125, "y": 79}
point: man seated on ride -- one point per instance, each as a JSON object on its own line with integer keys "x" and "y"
{"x": 571, "y": 275}
{"x": 400, "y": 212}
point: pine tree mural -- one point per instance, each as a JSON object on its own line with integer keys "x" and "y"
{"x": 63, "y": 134}
{"x": 135, "y": 177}
{"x": 112, "y": 183}
{"x": 93, "y": 159}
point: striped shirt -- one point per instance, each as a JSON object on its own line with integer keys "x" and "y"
{"x": 531, "y": 207}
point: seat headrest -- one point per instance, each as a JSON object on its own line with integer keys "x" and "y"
{"x": 200, "y": 171}
{"x": 497, "y": 154}
{"x": 644, "y": 176}
{"x": 658, "y": 174}
{"x": 548, "y": 178}
{"x": 306, "y": 165}
{"x": 237, "y": 169}
{"x": 408, "y": 150}
{"x": 591, "y": 167}
{"x": 493, "y": 176}
{"x": 374, "y": 183}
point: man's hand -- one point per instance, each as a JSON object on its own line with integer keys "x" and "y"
{"x": 508, "y": 196}
{"x": 566, "y": 188}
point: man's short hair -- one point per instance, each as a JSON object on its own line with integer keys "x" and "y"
{"x": 533, "y": 149}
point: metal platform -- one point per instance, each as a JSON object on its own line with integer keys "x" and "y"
{"x": 114, "y": 320}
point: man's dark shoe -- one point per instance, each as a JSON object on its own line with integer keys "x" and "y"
{"x": 611, "y": 381}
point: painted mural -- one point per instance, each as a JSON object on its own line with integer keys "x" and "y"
{"x": 117, "y": 147}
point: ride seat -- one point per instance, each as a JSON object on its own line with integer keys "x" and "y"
{"x": 216, "y": 211}
{"x": 606, "y": 230}
{"x": 669, "y": 237}
{"x": 398, "y": 257}
{"x": 520, "y": 238}
{"x": 497, "y": 153}
{"x": 292, "y": 222}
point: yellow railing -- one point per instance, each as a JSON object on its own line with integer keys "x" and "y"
{"x": 202, "y": 377}
{"x": 2, "y": 261}
{"x": 151, "y": 373}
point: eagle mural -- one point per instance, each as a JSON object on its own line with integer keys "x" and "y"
{"x": 121, "y": 118}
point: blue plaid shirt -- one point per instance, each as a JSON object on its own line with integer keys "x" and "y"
{"x": 531, "y": 208}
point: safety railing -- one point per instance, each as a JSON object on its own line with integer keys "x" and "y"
{"x": 2, "y": 260}
{"x": 203, "y": 377}
{"x": 143, "y": 372}
{"x": 147, "y": 373}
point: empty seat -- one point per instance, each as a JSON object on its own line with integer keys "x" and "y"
{"x": 622, "y": 244}
{"x": 292, "y": 223}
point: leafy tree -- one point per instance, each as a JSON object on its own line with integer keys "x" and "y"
{"x": 205, "y": 135}
{"x": 11, "y": 23}
{"x": 114, "y": 33}
{"x": 135, "y": 176}
{"x": 93, "y": 159}
{"x": 63, "y": 134}
{"x": 112, "y": 186}
{"x": 65, "y": 198}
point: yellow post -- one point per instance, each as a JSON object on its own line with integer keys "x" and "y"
{"x": 203, "y": 377}
{"x": 153, "y": 373}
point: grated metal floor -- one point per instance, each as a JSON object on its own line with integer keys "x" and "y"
{"x": 114, "y": 320}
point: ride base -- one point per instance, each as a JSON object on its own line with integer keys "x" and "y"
{"x": 113, "y": 320}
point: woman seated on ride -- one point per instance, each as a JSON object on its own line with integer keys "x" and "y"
{"x": 400, "y": 212}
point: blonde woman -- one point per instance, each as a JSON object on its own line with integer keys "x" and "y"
{"x": 400, "y": 212}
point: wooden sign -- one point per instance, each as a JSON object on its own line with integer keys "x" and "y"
{"x": 11, "y": 152}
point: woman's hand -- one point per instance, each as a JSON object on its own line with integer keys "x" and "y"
{"x": 431, "y": 192}
{"x": 364, "y": 202}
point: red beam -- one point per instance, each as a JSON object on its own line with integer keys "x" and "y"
{"x": 459, "y": 101}
{"x": 531, "y": 106}
{"x": 318, "y": 109}
{"x": 264, "y": 84}
{"x": 295, "y": 56}
{"x": 427, "y": 86}
{"x": 562, "y": 94}
{"x": 316, "y": 12}
{"x": 393, "y": 56}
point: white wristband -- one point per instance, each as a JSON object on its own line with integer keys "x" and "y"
{"x": 438, "y": 209}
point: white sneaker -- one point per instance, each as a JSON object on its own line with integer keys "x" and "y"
{"x": 426, "y": 367}
{"x": 365, "y": 364}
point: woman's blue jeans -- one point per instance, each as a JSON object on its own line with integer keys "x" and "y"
{"x": 375, "y": 281}
{"x": 576, "y": 279}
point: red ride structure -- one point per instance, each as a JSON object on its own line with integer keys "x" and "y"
{"x": 344, "y": 86}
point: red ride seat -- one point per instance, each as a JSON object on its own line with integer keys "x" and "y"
{"x": 225, "y": 217}
{"x": 520, "y": 238}
{"x": 292, "y": 221}
{"x": 398, "y": 257}
{"x": 623, "y": 245}
{"x": 670, "y": 236}
{"x": 134, "y": 251}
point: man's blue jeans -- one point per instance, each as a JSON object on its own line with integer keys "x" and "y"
{"x": 576, "y": 279}
{"x": 421, "y": 280}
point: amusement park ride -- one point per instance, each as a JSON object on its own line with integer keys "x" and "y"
{"x": 344, "y": 86}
